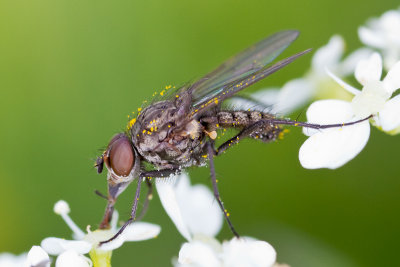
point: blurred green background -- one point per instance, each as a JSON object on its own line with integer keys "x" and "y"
{"x": 71, "y": 71}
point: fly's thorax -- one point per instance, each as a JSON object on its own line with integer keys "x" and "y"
{"x": 163, "y": 137}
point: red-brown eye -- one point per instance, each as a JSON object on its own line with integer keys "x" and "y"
{"x": 121, "y": 157}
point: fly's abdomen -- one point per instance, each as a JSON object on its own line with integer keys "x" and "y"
{"x": 259, "y": 125}
{"x": 228, "y": 119}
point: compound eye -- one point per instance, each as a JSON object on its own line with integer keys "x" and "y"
{"x": 121, "y": 155}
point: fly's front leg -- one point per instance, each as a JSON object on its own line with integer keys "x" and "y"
{"x": 210, "y": 150}
{"x": 149, "y": 197}
{"x": 143, "y": 176}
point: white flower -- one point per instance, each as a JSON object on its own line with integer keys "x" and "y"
{"x": 384, "y": 34}
{"x": 198, "y": 218}
{"x": 332, "y": 148}
{"x": 11, "y": 260}
{"x": 37, "y": 257}
{"x": 315, "y": 84}
{"x": 71, "y": 251}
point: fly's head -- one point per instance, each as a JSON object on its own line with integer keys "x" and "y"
{"x": 120, "y": 159}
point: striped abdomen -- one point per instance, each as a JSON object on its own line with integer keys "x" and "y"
{"x": 254, "y": 124}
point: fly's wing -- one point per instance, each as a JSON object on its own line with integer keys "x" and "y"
{"x": 242, "y": 65}
{"x": 228, "y": 90}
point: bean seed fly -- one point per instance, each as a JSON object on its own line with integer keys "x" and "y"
{"x": 179, "y": 127}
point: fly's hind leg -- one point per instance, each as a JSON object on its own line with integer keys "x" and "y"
{"x": 211, "y": 152}
{"x": 257, "y": 130}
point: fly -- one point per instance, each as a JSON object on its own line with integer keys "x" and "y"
{"x": 178, "y": 130}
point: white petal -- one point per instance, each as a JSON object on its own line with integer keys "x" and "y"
{"x": 139, "y": 231}
{"x": 169, "y": 201}
{"x": 200, "y": 211}
{"x": 371, "y": 38}
{"x": 343, "y": 84}
{"x": 389, "y": 116}
{"x": 198, "y": 254}
{"x": 369, "y": 69}
{"x": 293, "y": 95}
{"x": 11, "y": 260}
{"x": 112, "y": 245}
{"x": 392, "y": 79}
{"x": 328, "y": 55}
{"x": 37, "y": 257}
{"x": 246, "y": 252}
{"x": 332, "y": 148}
{"x": 267, "y": 97}
{"x": 349, "y": 64}
{"x": 72, "y": 258}
{"x": 328, "y": 111}
{"x": 56, "y": 246}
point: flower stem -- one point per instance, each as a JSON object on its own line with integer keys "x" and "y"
{"x": 100, "y": 258}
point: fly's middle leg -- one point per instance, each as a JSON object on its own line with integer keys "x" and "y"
{"x": 210, "y": 151}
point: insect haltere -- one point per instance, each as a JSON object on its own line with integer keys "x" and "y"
{"x": 178, "y": 129}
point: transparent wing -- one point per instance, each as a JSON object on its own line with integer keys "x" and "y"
{"x": 242, "y": 65}
{"x": 228, "y": 90}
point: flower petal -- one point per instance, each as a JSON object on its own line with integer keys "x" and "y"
{"x": 389, "y": 116}
{"x": 139, "y": 231}
{"x": 369, "y": 69}
{"x": 200, "y": 211}
{"x": 56, "y": 246}
{"x": 293, "y": 95}
{"x": 371, "y": 38}
{"x": 169, "y": 201}
{"x": 11, "y": 260}
{"x": 37, "y": 257}
{"x": 328, "y": 111}
{"x": 328, "y": 55}
{"x": 332, "y": 148}
{"x": 198, "y": 254}
{"x": 247, "y": 252}
{"x": 343, "y": 84}
{"x": 258, "y": 101}
{"x": 392, "y": 79}
{"x": 72, "y": 258}
{"x": 349, "y": 64}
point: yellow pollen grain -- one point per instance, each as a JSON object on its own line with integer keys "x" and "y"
{"x": 177, "y": 96}
{"x": 132, "y": 122}
{"x": 216, "y": 101}
{"x": 144, "y": 131}
{"x": 204, "y": 156}
{"x": 217, "y": 125}
{"x": 151, "y": 129}
{"x": 139, "y": 109}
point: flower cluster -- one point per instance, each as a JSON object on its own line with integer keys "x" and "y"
{"x": 198, "y": 218}
{"x": 334, "y": 147}
{"x": 72, "y": 252}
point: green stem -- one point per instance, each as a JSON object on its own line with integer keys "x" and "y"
{"x": 100, "y": 258}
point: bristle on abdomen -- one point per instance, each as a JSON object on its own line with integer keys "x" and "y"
{"x": 241, "y": 119}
